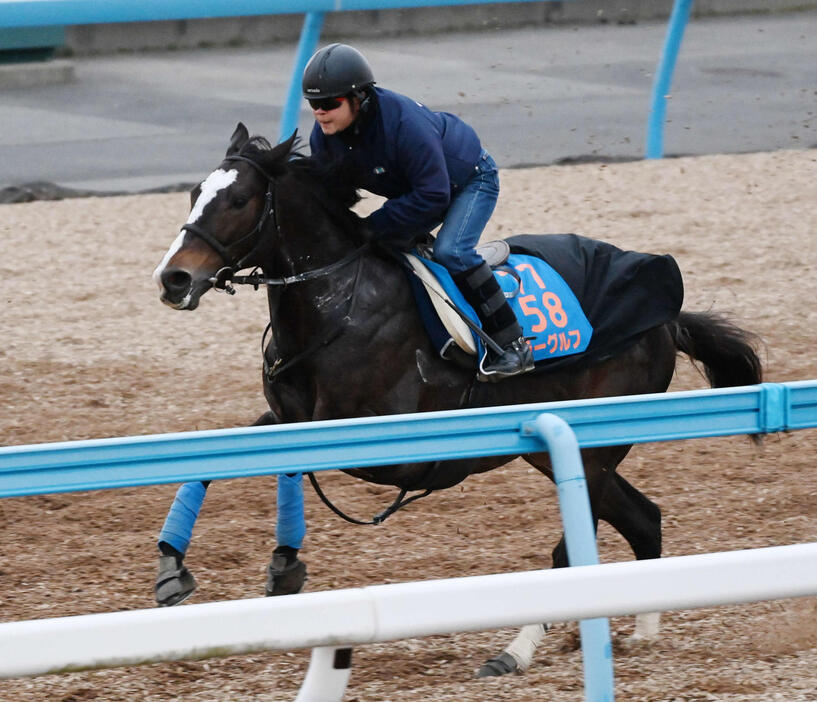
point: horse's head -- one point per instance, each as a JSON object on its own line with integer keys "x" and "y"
{"x": 229, "y": 212}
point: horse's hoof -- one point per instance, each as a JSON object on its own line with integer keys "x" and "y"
{"x": 503, "y": 664}
{"x": 286, "y": 574}
{"x": 174, "y": 583}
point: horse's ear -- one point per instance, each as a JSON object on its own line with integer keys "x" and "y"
{"x": 283, "y": 149}
{"x": 240, "y": 137}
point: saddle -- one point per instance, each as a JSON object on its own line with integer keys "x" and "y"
{"x": 495, "y": 254}
{"x": 576, "y": 299}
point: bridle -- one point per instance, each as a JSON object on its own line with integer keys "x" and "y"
{"x": 232, "y": 261}
{"x": 225, "y": 277}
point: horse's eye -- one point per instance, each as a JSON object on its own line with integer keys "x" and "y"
{"x": 239, "y": 202}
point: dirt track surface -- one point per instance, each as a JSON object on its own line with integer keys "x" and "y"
{"x": 88, "y": 351}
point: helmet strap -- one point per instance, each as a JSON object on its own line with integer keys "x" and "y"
{"x": 365, "y": 98}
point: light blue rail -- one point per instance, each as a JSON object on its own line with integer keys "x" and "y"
{"x": 314, "y": 446}
{"x": 562, "y": 428}
{"x": 46, "y": 13}
{"x": 580, "y": 539}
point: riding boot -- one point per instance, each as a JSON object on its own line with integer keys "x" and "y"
{"x": 483, "y": 293}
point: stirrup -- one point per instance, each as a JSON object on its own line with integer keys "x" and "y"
{"x": 517, "y": 358}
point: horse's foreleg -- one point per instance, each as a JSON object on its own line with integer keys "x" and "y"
{"x": 174, "y": 583}
{"x": 286, "y": 573}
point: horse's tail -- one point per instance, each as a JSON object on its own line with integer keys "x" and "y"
{"x": 726, "y": 351}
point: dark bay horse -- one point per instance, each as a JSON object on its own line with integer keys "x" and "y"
{"x": 348, "y": 340}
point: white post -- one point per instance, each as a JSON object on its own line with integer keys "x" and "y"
{"x": 327, "y": 676}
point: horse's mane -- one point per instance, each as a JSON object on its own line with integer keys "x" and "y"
{"x": 329, "y": 180}
{"x": 336, "y": 177}
{"x": 271, "y": 159}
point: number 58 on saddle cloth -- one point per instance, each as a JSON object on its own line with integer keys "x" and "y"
{"x": 550, "y": 315}
{"x": 575, "y": 298}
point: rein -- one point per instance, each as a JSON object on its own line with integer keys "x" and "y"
{"x": 377, "y": 519}
{"x": 225, "y": 278}
{"x": 255, "y": 280}
{"x": 271, "y": 371}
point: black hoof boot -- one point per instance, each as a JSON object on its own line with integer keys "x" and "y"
{"x": 286, "y": 574}
{"x": 503, "y": 664}
{"x": 174, "y": 583}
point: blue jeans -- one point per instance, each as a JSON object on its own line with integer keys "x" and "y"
{"x": 467, "y": 215}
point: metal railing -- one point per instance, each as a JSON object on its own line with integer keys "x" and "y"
{"x": 45, "y": 13}
{"x": 561, "y": 428}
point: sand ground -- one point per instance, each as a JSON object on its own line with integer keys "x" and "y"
{"x": 88, "y": 351}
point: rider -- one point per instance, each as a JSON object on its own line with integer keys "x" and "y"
{"x": 432, "y": 168}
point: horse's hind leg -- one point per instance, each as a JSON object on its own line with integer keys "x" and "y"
{"x": 638, "y": 520}
{"x": 627, "y": 510}
{"x": 518, "y": 655}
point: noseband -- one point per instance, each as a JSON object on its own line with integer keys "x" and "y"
{"x": 223, "y": 277}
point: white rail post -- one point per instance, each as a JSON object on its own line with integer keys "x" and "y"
{"x": 327, "y": 675}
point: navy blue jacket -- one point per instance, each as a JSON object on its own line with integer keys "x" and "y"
{"x": 405, "y": 152}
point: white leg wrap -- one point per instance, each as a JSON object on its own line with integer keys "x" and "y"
{"x": 646, "y": 625}
{"x": 525, "y": 644}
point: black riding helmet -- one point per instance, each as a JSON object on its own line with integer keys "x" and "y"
{"x": 335, "y": 70}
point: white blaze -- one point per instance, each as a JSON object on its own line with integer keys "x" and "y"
{"x": 210, "y": 188}
{"x": 216, "y": 181}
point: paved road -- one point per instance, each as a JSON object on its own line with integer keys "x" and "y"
{"x": 536, "y": 96}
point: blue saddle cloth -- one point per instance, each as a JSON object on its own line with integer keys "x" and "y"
{"x": 579, "y": 299}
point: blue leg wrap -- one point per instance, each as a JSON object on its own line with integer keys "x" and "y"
{"x": 291, "y": 526}
{"x": 178, "y": 528}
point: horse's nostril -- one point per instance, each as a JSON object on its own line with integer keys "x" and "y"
{"x": 176, "y": 281}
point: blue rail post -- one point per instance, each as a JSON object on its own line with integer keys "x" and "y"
{"x": 580, "y": 537}
{"x": 310, "y": 34}
{"x": 663, "y": 77}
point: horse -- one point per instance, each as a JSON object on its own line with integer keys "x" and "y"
{"x": 348, "y": 341}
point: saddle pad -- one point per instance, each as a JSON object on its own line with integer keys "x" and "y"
{"x": 454, "y": 324}
{"x": 623, "y": 293}
{"x": 548, "y": 311}
{"x": 599, "y": 300}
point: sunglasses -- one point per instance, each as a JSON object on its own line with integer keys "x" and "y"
{"x": 326, "y": 104}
